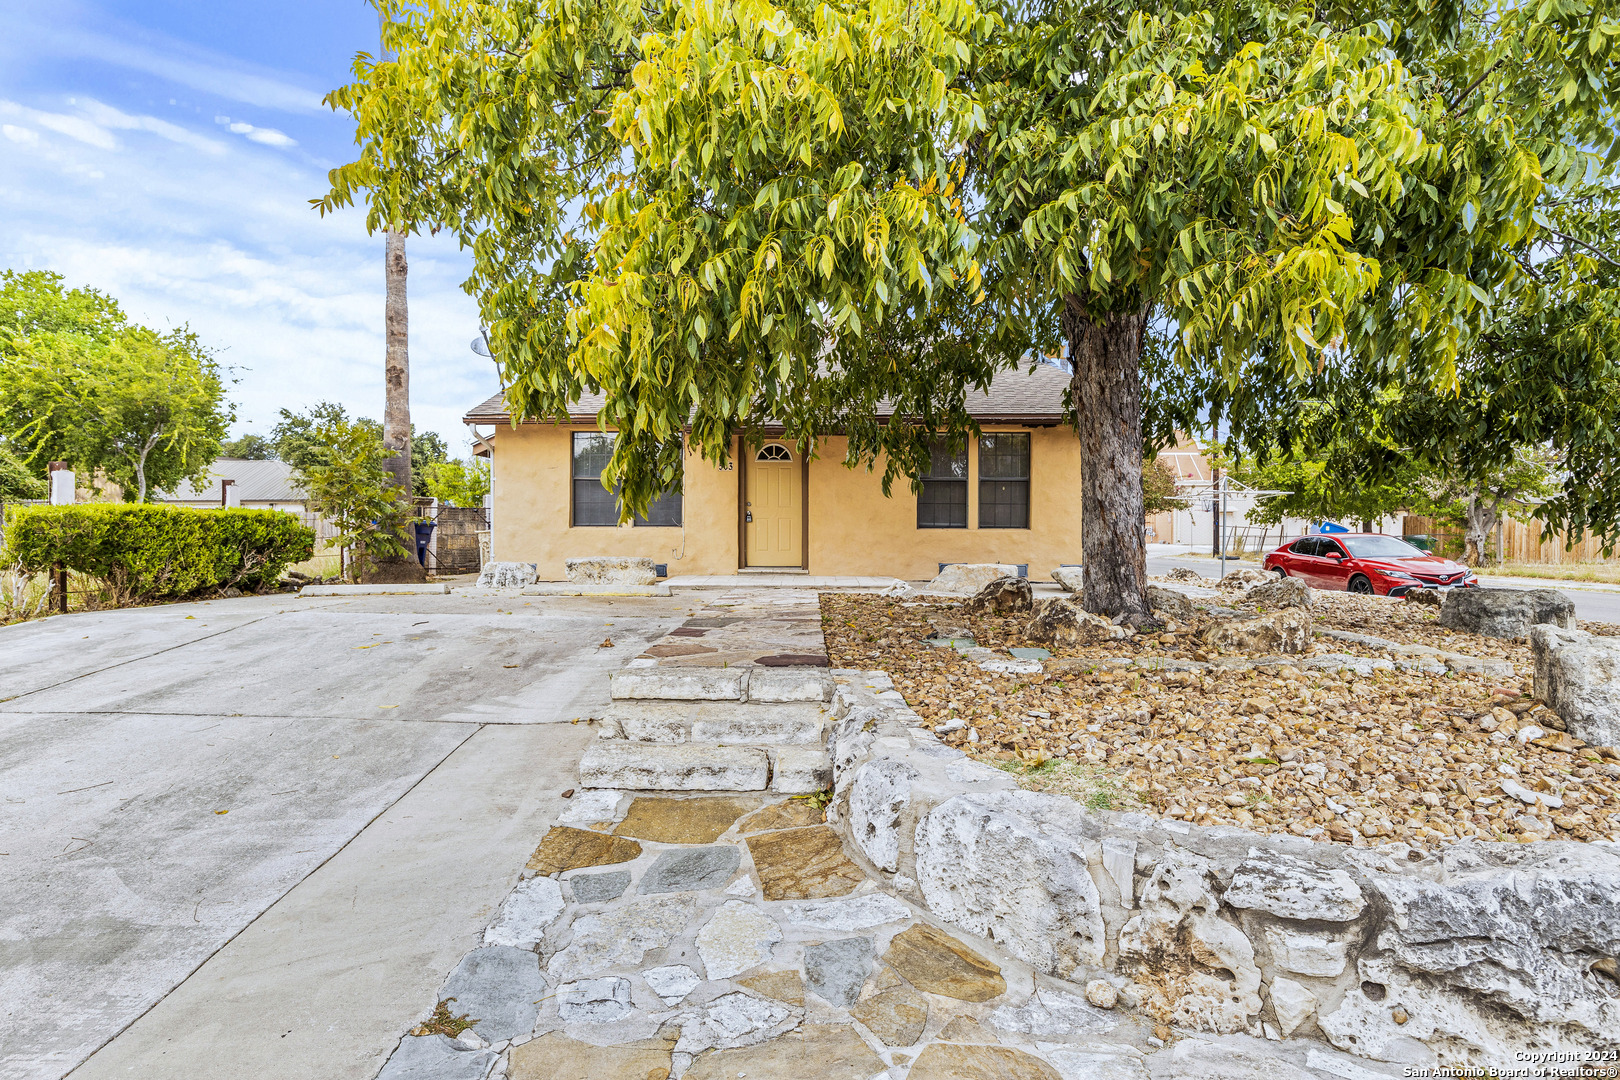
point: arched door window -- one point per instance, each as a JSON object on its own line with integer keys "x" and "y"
{"x": 773, "y": 452}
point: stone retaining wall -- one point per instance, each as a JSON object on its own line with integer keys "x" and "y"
{"x": 1474, "y": 953}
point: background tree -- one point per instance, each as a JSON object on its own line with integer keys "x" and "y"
{"x": 458, "y": 483}
{"x": 141, "y": 409}
{"x": 248, "y": 447}
{"x": 774, "y": 185}
{"x": 295, "y": 437}
{"x": 428, "y": 449}
{"x": 344, "y": 469}
{"x": 1159, "y": 488}
{"x": 17, "y": 481}
{"x": 36, "y": 301}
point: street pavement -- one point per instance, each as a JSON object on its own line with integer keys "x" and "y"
{"x": 250, "y": 836}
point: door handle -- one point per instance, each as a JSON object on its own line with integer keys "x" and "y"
{"x": 748, "y": 517}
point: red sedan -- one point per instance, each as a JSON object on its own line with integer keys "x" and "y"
{"x": 1369, "y": 563}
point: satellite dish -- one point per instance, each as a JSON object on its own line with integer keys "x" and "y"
{"x": 480, "y": 345}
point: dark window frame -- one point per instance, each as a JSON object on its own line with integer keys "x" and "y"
{"x": 659, "y": 506}
{"x": 995, "y": 483}
{"x": 943, "y": 493}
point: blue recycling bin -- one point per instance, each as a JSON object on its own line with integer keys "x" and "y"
{"x": 424, "y": 536}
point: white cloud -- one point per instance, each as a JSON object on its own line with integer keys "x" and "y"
{"x": 21, "y": 135}
{"x": 266, "y": 136}
{"x": 182, "y": 228}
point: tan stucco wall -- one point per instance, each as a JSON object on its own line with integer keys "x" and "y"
{"x": 530, "y": 482}
{"x": 853, "y": 528}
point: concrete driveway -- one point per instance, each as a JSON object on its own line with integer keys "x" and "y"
{"x": 250, "y": 836}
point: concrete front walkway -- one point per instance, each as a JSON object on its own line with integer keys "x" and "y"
{"x": 248, "y": 837}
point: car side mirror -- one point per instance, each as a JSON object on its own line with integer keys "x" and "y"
{"x": 1334, "y": 555}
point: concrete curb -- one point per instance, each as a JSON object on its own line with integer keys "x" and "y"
{"x": 370, "y": 590}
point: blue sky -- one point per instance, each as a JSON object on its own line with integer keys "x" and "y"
{"x": 165, "y": 152}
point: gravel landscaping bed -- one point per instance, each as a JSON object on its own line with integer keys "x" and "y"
{"x": 1336, "y": 756}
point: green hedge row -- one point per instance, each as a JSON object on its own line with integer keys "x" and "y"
{"x": 148, "y": 552}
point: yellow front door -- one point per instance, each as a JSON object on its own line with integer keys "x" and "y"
{"x": 775, "y": 507}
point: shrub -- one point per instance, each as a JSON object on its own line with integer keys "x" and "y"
{"x": 146, "y": 552}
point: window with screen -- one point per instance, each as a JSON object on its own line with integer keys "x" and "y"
{"x": 596, "y": 505}
{"x": 943, "y": 501}
{"x": 1004, "y": 480}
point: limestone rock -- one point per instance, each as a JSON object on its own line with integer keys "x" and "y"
{"x": 785, "y": 986}
{"x": 1003, "y": 596}
{"x": 1179, "y": 921}
{"x": 835, "y": 970}
{"x": 611, "y": 570}
{"x": 565, "y": 848}
{"x": 672, "y": 982}
{"x": 1170, "y": 603}
{"x": 1291, "y": 888}
{"x": 821, "y": 1051}
{"x": 737, "y": 937}
{"x": 800, "y": 770}
{"x": 1051, "y": 1015}
{"x": 1280, "y": 593}
{"x": 655, "y": 767}
{"x": 1427, "y": 597}
{"x": 803, "y": 864}
{"x": 1102, "y": 993}
{"x": 1495, "y": 955}
{"x": 791, "y": 684}
{"x": 591, "y": 807}
{"x": 554, "y": 1056}
{"x": 500, "y": 987}
{"x": 793, "y": 814}
{"x": 1071, "y": 578}
{"x": 1063, "y": 622}
{"x": 896, "y": 1015}
{"x": 732, "y": 1020}
{"x": 694, "y": 868}
{"x": 1183, "y": 573}
{"x": 881, "y": 792}
{"x": 506, "y": 575}
{"x": 1292, "y": 1003}
{"x": 681, "y": 821}
{"x": 936, "y": 963}
{"x": 965, "y": 579}
{"x": 1285, "y": 631}
{"x": 620, "y": 936}
{"x": 852, "y": 913}
{"x": 1505, "y": 613}
{"x": 525, "y": 913}
{"x": 594, "y": 1001}
{"x": 1245, "y": 577}
{"x": 946, "y": 1061}
{"x": 434, "y": 1057}
{"x": 598, "y": 888}
{"x": 1009, "y": 865}
{"x": 1305, "y": 953}
{"x": 1578, "y": 677}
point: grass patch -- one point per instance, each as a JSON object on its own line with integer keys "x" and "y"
{"x": 443, "y": 1022}
{"x": 1094, "y": 787}
{"x": 1605, "y": 573}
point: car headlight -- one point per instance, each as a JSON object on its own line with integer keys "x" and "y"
{"x": 1398, "y": 575}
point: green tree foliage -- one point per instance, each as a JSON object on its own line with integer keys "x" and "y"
{"x": 294, "y": 439}
{"x": 18, "y": 481}
{"x": 36, "y": 301}
{"x": 344, "y": 470}
{"x": 1159, "y": 488}
{"x": 248, "y": 447}
{"x": 792, "y": 210}
{"x": 458, "y": 483}
{"x": 427, "y": 450}
{"x": 145, "y": 410}
{"x": 147, "y": 552}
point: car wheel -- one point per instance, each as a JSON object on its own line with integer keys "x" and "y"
{"x": 1280, "y": 570}
{"x": 1361, "y": 585}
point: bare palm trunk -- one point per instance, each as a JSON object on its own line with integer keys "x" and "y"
{"x": 1107, "y": 386}
{"x": 397, "y": 406}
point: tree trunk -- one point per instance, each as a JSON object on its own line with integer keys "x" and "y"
{"x": 397, "y": 404}
{"x": 1478, "y": 521}
{"x": 1107, "y": 387}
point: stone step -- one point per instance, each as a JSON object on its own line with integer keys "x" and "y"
{"x": 757, "y": 684}
{"x": 637, "y": 766}
{"x": 725, "y": 723}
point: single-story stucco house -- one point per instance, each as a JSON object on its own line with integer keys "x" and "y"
{"x": 1013, "y": 496}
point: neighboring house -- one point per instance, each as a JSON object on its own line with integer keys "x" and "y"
{"x": 260, "y": 485}
{"x": 1012, "y": 496}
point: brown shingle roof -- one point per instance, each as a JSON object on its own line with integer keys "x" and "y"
{"x": 1029, "y": 396}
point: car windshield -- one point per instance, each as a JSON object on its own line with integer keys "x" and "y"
{"x": 1380, "y": 547}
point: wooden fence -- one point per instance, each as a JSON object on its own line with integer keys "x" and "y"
{"x": 1514, "y": 541}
